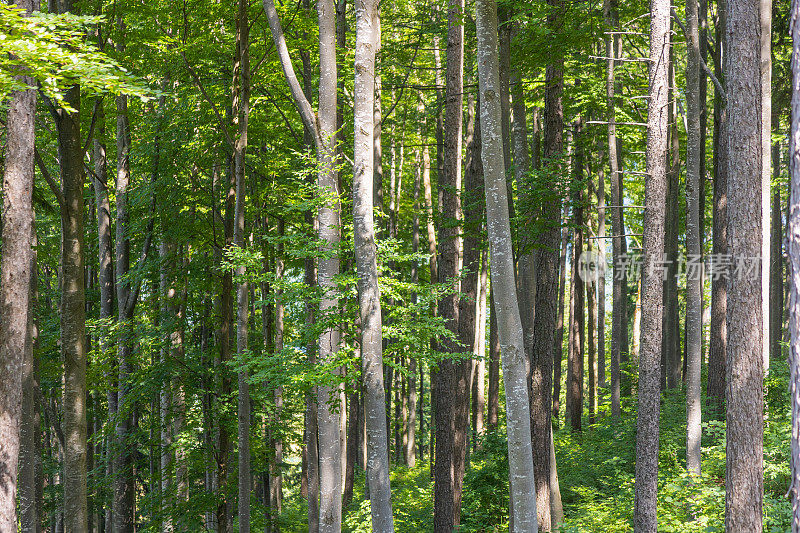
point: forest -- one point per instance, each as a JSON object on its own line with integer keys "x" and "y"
{"x": 400, "y": 266}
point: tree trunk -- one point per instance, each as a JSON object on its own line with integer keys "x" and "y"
{"x": 694, "y": 280}
{"x": 647, "y": 422}
{"x": 493, "y": 407}
{"x": 591, "y": 295}
{"x": 558, "y": 341}
{"x": 479, "y": 382}
{"x": 105, "y": 273}
{"x": 575, "y": 354}
{"x": 473, "y": 208}
{"x": 451, "y": 375}
{"x": 330, "y": 449}
{"x": 776, "y": 263}
{"x": 515, "y": 371}
{"x": 15, "y": 289}
{"x": 367, "y": 268}
{"x": 619, "y": 274}
{"x": 241, "y": 107}
{"x": 793, "y": 252}
{"x": 73, "y": 311}
{"x": 276, "y": 468}
{"x": 29, "y": 445}
{"x": 744, "y": 393}
{"x": 670, "y": 342}
{"x": 717, "y": 366}
{"x": 765, "y": 63}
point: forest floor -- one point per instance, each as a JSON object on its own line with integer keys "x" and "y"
{"x": 596, "y": 475}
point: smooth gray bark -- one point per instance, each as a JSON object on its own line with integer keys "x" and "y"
{"x": 330, "y": 446}
{"x": 793, "y": 242}
{"x": 694, "y": 280}
{"x": 515, "y": 367}
{"x": 765, "y": 61}
{"x": 367, "y": 269}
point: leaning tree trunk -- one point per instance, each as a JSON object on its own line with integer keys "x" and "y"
{"x": 367, "y": 269}
{"x": 15, "y": 280}
{"x": 744, "y": 394}
{"x": 647, "y": 423}
{"x": 515, "y": 372}
{"x": 323, "y": 128}
{"x": 694, "y": 280}
{"x": 793, "y": 238}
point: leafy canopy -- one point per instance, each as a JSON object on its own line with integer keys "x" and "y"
{"x": 52, "y": 50}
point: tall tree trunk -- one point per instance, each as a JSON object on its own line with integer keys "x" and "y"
{"x": 105, "y": 273}
{"x": 468, "y": 316}
{"x": 493, "y": 401}
{"x": 670, "y": 341}
{"x": 73, "y": 311}
{"x": 540, "y": 397}
{"x": 547, "y": 276}
{"x": 558, "y": 341}
{"x": 744, "y": 393}
{"x": 694, "y": 280}
{"x": 591, "y": 345}
{"x": 124, "y": 490}
{"x": 776, "y": 263}
{"x": 15, "y": 289}
{"x": 601, "y": 280}
{"x": 515, "y": 371}
{"x": 367, "y": 268}
{"x": 330, "y": 448}
{"x": 717, "y": 366}
{"x": 166, "y": 256}
{"x": 765, "y": 64}
{"x": 29, "y": 446}
{"x": 276, "y": 469}
{"x": 575, "y": 358}
{"x": 619, "y": 274}
{"x": 647, "y": 422}
{"x": 451, "y": 375}
{"x": 241, "y": 107}
{"x": 793, "y": 251}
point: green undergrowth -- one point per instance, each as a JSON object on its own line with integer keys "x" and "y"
{"x": 596, "y": 473}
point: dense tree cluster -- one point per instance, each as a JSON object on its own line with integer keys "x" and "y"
{"x": 314, "y": 266}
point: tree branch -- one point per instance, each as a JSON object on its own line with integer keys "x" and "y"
{"x": 717, "y": 84}
{"x": 221, "y": 123}
{"x": 49, "y": 178}
{"x": 300, "y": 100}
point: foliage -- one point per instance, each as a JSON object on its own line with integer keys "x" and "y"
{"x": 53, "y": 50}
